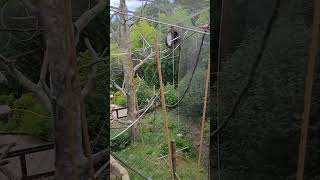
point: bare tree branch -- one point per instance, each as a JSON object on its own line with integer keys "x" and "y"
{"x": 92, "y": 76}
{"x": 87, "y": 16}
{"x": 30, "y": 6}
{"x": 21, "y": 30}
{"x": 101, "y": 156}
{"x": 44, "y": 68}
{"x": 119, "y": 88}
{"x": 24, "y": 81}
{"x": 144, "y": 61}
{"x": 3, "y": 79}
{"x": 151, "y": 101}
{"x": 5, "y": 171}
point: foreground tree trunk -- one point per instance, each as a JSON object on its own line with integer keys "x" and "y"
{"x": 128, "y": 69}
{"x": 70, "y": 163}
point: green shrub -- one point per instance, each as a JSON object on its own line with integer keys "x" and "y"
{"x": 120, "y": 142}
{"x": 144, "y": 92}
{"x": 163, "y": 149}
{"x": 31, "y": 117}
{"x": 119, "y": 99}
{"x": 192, "y": 102}
{"x": 7, "y": 99}
{"x": 171, "y": 95}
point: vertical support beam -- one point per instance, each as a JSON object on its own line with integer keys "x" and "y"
{"x": 173, "y": 155}
{"x": 163, "y": 103}
{"x": 216, "y": 11}
{"x": 117, "y": 113}
{"x": 23, "y": 164}
{"x": 204, "y": 111}
{"x": 308, "y": 89}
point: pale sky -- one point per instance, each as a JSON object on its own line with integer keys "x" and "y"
{"x": 132, "y": 4}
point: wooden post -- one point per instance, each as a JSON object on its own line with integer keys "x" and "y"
{"x": 23, "y": 164}
{"x": 173, "y": 155}
{"x": 308, "y": 89}
{"x": 204, "y": 111}
{"x": 163, "y": 103}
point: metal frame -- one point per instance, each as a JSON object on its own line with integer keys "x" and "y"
{"x": 117, "y": 112}
{"x": 21, "y": 153}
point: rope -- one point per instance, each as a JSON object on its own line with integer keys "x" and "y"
{"x": 134, "y": 121}
{"x": 128, "y": 166}
{"x": 160, "y": 22}
{"x": 253, "y": 69}
{"x": 192, "y": 74}
{"x": 23, "y": 110}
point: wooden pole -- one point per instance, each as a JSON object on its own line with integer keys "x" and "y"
{"x": 204, "y": 111}
{"x": 308, "y": 89}
{"x": 173, "y": 155}
{"x": 163, "y": 103}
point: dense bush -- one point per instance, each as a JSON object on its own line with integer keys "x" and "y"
{"x": 119, "y": 99}
{"x": 144, "y": 92}
{"x": 192, "y": 102}
{"x": 30, "y": 116}
{"x": 7, "y": 99}
{"x": 171, "y": 95}
{"x": 120, "y": 142}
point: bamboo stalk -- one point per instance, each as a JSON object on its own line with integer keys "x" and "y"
{"x": 204, "y": 110}
{"x": 308, "y": 89}
{"x": 163, "y": 104}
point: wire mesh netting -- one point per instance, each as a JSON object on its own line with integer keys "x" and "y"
{"x": 183, "y": 67}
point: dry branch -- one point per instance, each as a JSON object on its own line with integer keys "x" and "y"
{"x": 92, "y": 76}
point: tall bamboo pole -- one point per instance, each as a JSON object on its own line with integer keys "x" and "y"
{"x": 204, "y": 111}
{"x": 308, "y": 89}
{"x": 163, "y": 104}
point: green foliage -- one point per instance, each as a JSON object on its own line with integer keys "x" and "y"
{"x": 179, "y": 14}
{"x": 171, "y": 95}
{"x": 120, "y": 142}
{"x": 30, "y": 116}
{"x": 192, "y": 102}
{"x": 143, "y": 155}
{"x": 7, "y": 99}
{"x": 116, "y": 51}
{"x": 203, "y": 18}
{"x": 119, "y": 99}
{"x": 141, "y": 33}
{"x": 149, "y": 73}
{"x": 144, "y": 91}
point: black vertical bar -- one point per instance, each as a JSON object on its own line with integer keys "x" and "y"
{"x": 215, "y": 26}
{"x": 23, "y": 167}
{"x": 117, "y": 114}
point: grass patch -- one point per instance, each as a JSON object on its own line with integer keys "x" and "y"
{"x": 143, "y": 155}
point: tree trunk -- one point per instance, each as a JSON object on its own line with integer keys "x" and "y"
{"x": 65, "y": 92}
{"x": 129, "y": 82}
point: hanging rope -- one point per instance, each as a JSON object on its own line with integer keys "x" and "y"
{"x": 192, "y": 74}
{"x": 133, "y": 123}
{"x": 253, "y": 68}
